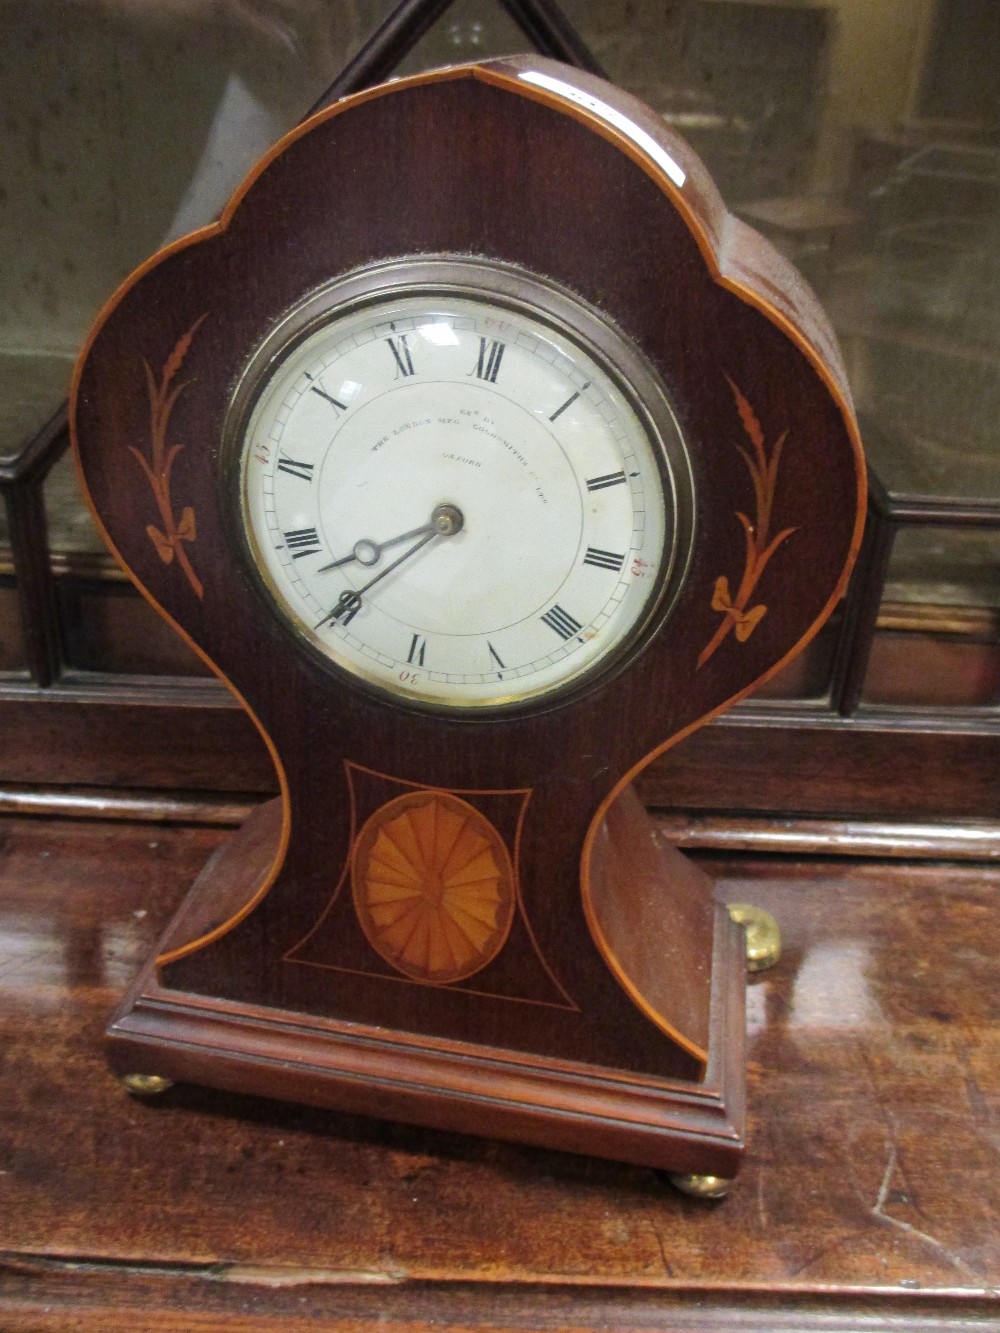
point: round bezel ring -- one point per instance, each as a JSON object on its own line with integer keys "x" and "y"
{"x": 520, "y": 293}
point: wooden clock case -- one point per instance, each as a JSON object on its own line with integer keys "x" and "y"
{"x": 608, "y": 1017}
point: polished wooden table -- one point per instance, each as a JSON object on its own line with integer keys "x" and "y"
{"x": 870, "y": 1197}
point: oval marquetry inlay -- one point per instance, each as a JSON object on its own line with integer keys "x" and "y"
{"x": 433, "y": 886}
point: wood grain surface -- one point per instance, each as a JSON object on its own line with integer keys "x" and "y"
{"x": 869, "y": 1197}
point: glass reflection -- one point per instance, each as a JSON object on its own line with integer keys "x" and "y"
{"x": 861, "y": 136}
{"x": 125, "y": 124}
{"x": 824, "y": 986}
{"x": 946, "y": 566}
{"x": 832, "y": 988}
{"x": 43, "y": 956}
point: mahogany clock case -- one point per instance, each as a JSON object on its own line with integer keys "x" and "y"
{"x": 477, "y": 161}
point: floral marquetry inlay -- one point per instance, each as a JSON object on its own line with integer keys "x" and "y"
{"x": 737, "y": 614}
{"x": 433, "y": 886}
{"x": 169, "y": 541}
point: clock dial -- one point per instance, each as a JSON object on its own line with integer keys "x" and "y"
{"x": 455, "y": 495}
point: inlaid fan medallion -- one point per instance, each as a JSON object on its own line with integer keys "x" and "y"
{"x": 433, "y": 887}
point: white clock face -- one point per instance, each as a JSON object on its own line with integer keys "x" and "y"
{"x": 454, "y": 500}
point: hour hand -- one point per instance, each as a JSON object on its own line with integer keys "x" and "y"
{"x": 445, "y": 520}
{"x": 368, "y": 552}
{"x": 349, "y": 601}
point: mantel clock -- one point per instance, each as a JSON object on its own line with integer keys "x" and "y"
{"x": 484, "y": 456}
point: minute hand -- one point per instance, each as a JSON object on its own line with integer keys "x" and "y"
{"x": 350, "y": 598}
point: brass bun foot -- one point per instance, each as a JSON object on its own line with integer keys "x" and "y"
{"x": 701, "y": 1187}
{"x": 145, "y": 1085}
{"x": 763, "y": 935}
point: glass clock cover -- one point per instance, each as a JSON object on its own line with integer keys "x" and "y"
{"x": 455, "y": 493}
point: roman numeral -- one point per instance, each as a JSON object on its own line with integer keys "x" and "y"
{"x": 335, "y": 403}
{"x": 294, "y": 468}
{"x": 603, "y": 559}
{"x": 302, "y": 541}
{"x": 562, "y": 622}
{"x": 490, "y": 356}
{"x": 569, "y": 402}
{"x": 609, "y": 479}
{"x": 417, "y": 648}
{"x": 401, "y": 353}
{"x": 496, "y": 657}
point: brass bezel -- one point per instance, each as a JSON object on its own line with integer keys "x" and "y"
{"x": 547, "y": 303}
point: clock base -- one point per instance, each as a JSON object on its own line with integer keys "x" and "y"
{"x": 676, "y": 1125}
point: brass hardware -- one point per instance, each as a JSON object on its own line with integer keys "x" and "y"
{"x": 763, "y": 935}
{"x": 145, "y": 1085}
{"x": 701, "y": 1187}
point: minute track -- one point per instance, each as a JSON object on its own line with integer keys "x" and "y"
{"x": 490, "y": 409}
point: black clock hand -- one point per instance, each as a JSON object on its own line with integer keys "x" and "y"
{"x": 367, "y": 552}
{"x": 446, "y": 520}
{"x": 350, "y": 598}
